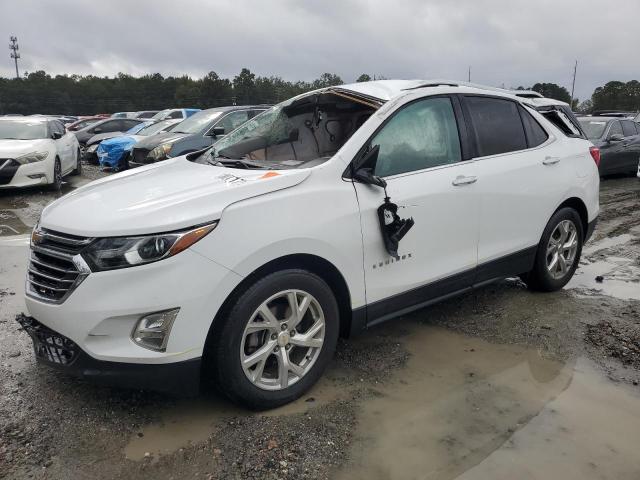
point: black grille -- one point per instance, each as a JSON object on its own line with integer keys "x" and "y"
{"x": 139, "y": 155}
{"x": 49, "y": 345}
{"x": 8, "y": 169}
{"x": 52, "y": 273}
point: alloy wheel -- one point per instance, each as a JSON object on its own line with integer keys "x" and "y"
{"x": 282, "y": 340}
{"x": 562, "y": 249}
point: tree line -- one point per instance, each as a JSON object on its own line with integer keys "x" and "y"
{"x": 39, "y": 92}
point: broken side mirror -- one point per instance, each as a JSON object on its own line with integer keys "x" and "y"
{"x": 56, "y": 135}
{"x": 364, "y": 168}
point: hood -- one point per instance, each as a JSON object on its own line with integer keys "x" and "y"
{"x": 153, "y": 141}
{"x": 103, "y": 136}
{"x": 160, "y": 197}
{"x": 15, "y": 148}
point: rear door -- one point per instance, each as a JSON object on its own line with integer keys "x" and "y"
{"x": 430, "y": 177}
{"x": 522, "y": 177}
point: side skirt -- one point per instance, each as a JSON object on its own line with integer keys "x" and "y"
{"x": 403, "y": 303}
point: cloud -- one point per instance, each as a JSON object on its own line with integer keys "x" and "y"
{"x": 505, "y": 42}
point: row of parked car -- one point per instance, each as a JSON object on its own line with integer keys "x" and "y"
{"x": 121, "y": 142}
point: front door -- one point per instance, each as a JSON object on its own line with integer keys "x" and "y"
{"x": 422, "y": 161}
{"x": 613, "y": 150}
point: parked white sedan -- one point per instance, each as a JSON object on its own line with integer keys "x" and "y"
{"x": 36, "y": 151}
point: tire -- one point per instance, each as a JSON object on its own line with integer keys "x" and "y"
{"x": 232, "y": 340}
{"x": 547, "y": 276}
{"x": 56, "y": 184}
{"x": 78, "y": 169}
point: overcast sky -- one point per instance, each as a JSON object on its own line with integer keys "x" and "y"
{"x": 510, "y": 42}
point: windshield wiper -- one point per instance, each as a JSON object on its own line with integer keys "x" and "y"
{"x": 233, "y": 162}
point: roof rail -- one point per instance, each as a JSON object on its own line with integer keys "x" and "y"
{"x": 434, "y": 84}
{"x": 449, "y": 83}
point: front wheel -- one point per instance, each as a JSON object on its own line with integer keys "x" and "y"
{"x": 558, "y": 252}
{"x": 276, "y": 340}
{"x": 56, "y": 183}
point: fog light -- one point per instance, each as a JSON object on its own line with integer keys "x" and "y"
{"x": 36, "y": 175}
{"x": 152, "y": 331}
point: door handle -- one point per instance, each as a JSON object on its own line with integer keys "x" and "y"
{"x": 550, "y": 160}
{"x": 462, "y": 180}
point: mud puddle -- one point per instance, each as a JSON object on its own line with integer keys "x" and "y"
{"x": 609, "y": 267}
{"x": 589, "y": 431}
{"x": 194, "y": 421}
{"x": 459, "y": 405}
{"x": 11, "y": 224}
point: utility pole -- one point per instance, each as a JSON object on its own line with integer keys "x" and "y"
{"x": 469, "y": 74}
{"x": 13, "y": 46}
{"x": 573, "y": 85}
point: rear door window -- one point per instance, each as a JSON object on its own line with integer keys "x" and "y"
{"x": 628, "y": 128}
{"x": 110, "y": 126}
{"x": 421, "y": 135}
{"x": 176, "y": 114}
{"x": 497, "y": 124}
{"x": 128, "y": 124}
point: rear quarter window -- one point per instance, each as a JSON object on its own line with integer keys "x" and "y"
{"x": 536, "y": 135}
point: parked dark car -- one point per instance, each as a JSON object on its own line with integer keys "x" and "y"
{"x": 195, "y": 133}
{"x": 618, "y": 140}
{"x": 105, "y": 126}
{"x": 83, "y": 122}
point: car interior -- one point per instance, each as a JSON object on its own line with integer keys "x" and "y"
{"x": 307, "y": 132}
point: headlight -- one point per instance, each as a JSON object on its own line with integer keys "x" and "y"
{"x": 32, "y": 157}
{"x": 92, "y": 148}
{"x": 122, "y": 252}
{"x": 161, "y": 151}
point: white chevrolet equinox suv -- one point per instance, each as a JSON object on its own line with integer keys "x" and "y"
{"x": 241, "y": 265}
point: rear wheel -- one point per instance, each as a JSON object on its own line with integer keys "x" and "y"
{"x": 276, "y": 340}
{"x": 78, "y": 169}
{"x": 558, "y": 252}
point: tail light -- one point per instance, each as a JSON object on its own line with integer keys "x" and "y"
{"x": 595, "y": 154}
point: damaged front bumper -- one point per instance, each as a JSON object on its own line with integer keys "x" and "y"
{"x": 59, "y": 352}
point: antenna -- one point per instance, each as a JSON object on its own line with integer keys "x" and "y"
{"x": 13, "y": 46}
{"x": 573, "y": 85}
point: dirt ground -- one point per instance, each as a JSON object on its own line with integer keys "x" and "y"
{"x": 498, "y": 383}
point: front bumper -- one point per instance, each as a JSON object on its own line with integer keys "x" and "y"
{"x": 103, "y": 310}
{"x": 59, "y": 352}
{"x": 30, "y": 174}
